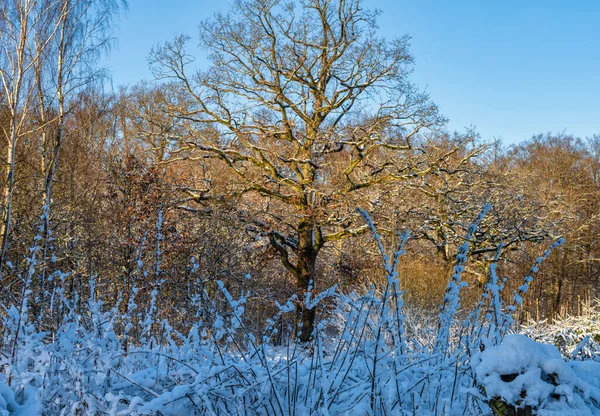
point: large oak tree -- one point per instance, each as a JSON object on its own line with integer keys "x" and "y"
{"x": 311, "y": 112}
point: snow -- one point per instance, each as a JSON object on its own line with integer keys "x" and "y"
{"x": 89, "y": 366}
{"x": 370, "y": 353}
{"x": 523, "y": 372}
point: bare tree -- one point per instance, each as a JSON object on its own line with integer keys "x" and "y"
{"x": 443, "y": 207}
{"x": 83, "y": 34}
{"x": 19, "y": 21}
{"x": 311, "y": 112}
{"x": 50, "y": 53}
{"x": 68, "y": 67}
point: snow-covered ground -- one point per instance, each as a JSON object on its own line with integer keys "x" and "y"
{"x": 89, "y": 367}
{"x": 368, "y": 356}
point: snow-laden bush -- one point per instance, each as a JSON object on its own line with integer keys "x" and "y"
{"x": 522, "y": 373}
{"x": 100, "y": 360}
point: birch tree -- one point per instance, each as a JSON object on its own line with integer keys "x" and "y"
{"x": 67, "y": 68}
{"x": 19, "y": 20}
{"x": 49, "y": 54}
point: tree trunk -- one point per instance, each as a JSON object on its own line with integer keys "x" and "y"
{"x": 309, "y": 245}
{"x": 7, "y": 195}
{"x": 557, "y": 292}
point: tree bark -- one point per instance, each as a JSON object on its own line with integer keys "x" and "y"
{"x": 309, "y": 245}
{"x": 7, "y": 195}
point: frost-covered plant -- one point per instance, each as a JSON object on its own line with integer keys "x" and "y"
{"x": 521, "y": 291}
{"x": 117, "y": 358}
{"x": 451, "y": 301}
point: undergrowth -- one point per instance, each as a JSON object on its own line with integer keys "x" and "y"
{"x": 124, "y": 361}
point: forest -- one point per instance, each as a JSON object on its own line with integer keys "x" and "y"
{"x": 292, "y": 229}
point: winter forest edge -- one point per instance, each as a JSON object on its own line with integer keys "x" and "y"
{"x": 292, "y": 230}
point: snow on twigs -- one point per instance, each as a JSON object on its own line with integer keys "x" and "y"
{"x": 127, "y": 360}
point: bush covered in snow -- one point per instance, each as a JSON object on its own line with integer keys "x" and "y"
{"x": 522, "y": 373}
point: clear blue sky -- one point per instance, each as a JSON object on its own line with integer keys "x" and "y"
{"x": 511, "y": 68}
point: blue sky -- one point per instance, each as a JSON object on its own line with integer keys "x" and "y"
{"x": 509, "y": 68}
